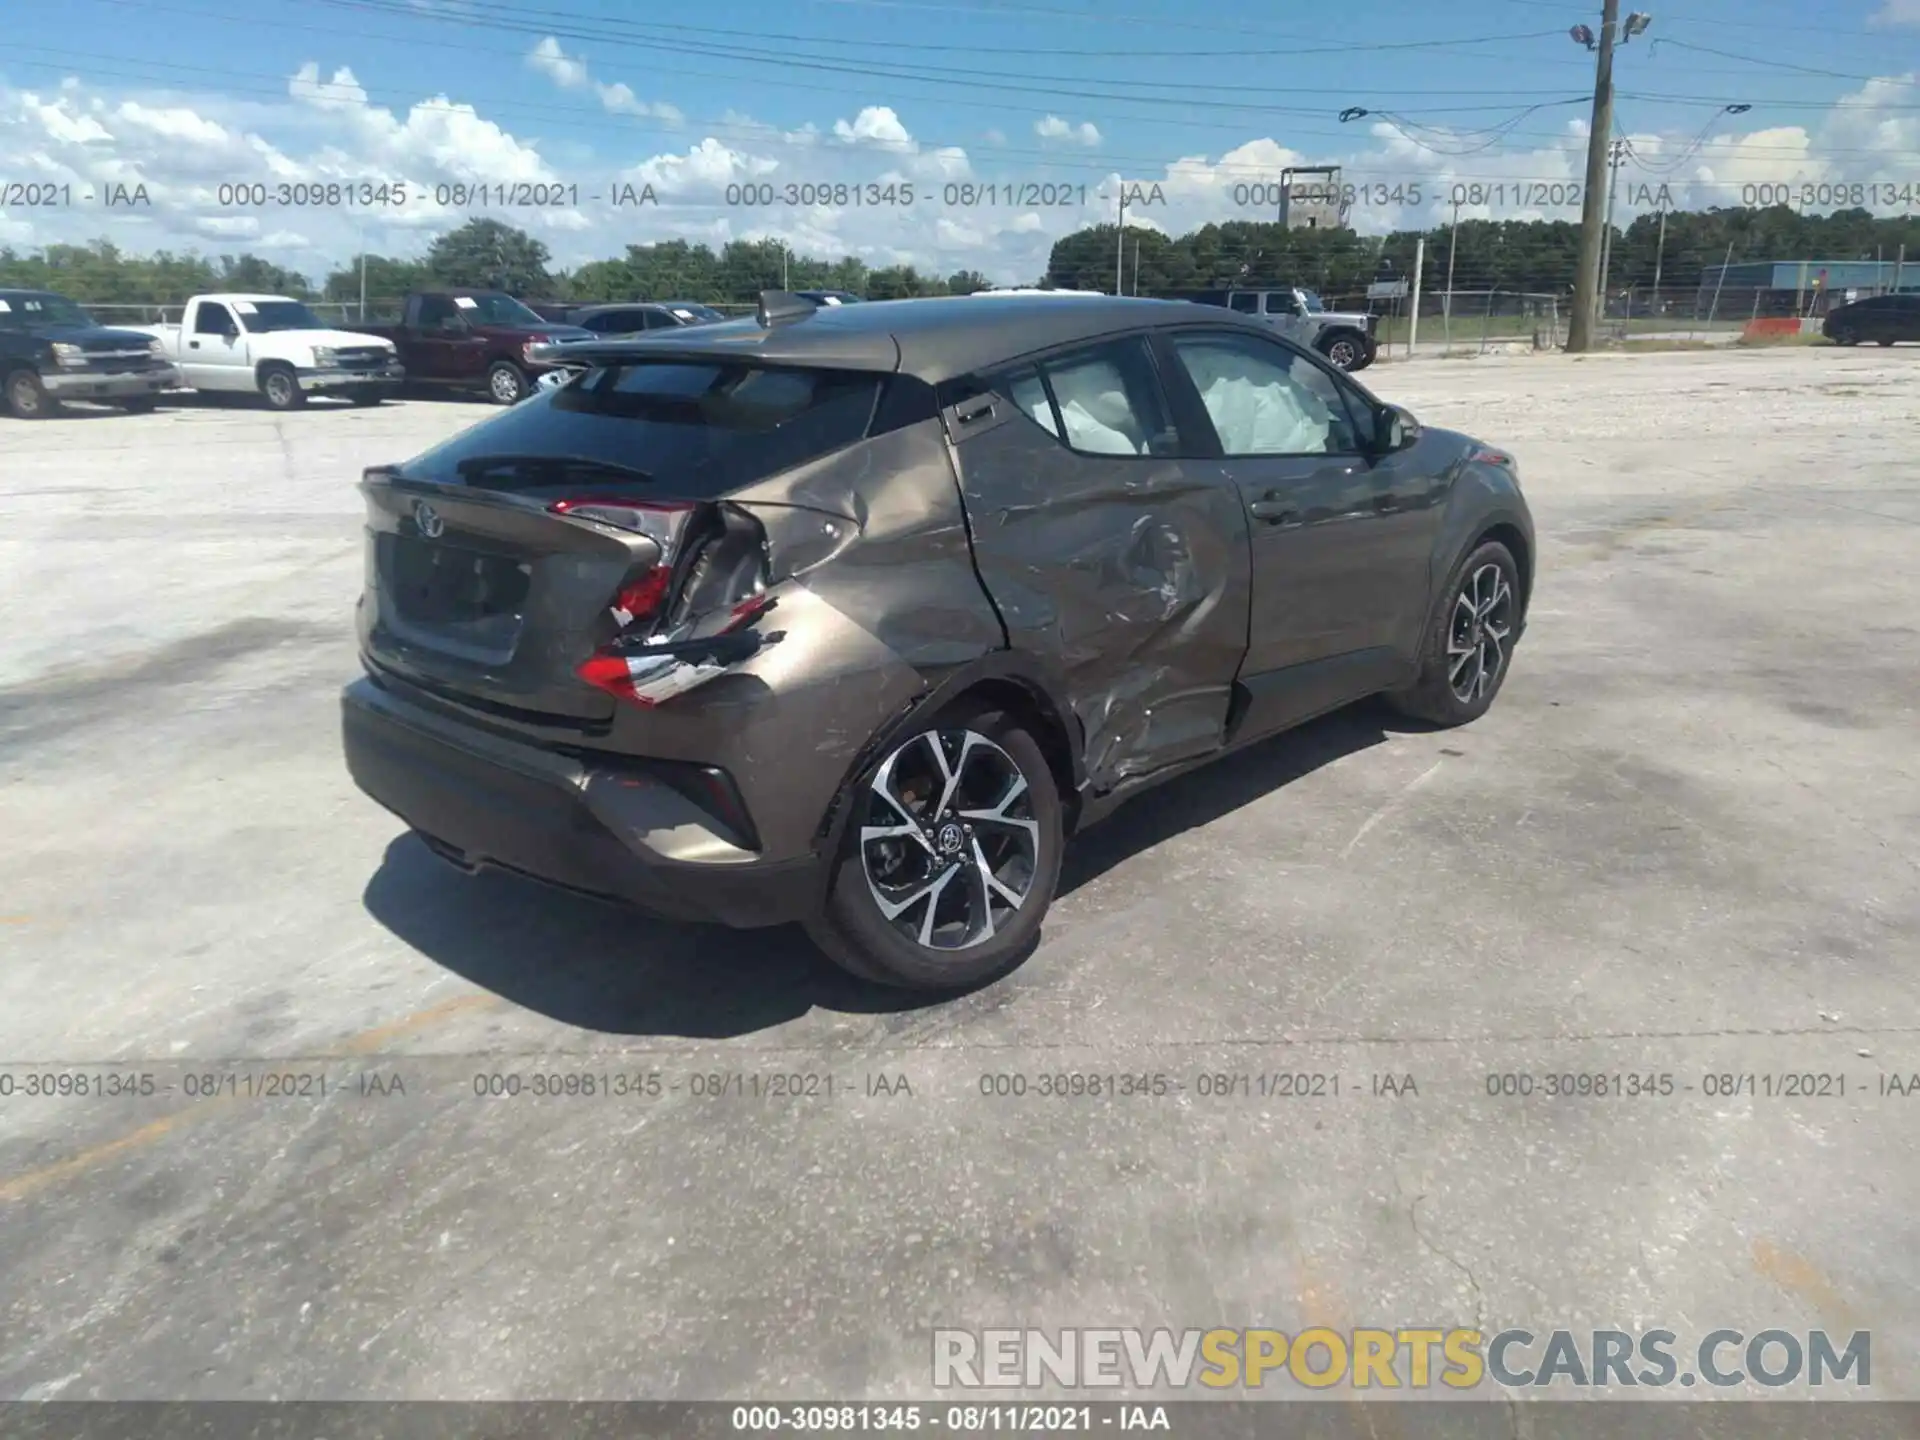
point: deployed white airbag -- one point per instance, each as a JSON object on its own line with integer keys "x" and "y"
{"x": 1274, "y": 417}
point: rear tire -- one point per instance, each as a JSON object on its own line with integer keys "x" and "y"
{"x": 1468, "y": 647}
{"x": 950, "y": 898}
{"x": 367, "y": 399}
{"x": 280, "y": 387}
{"x": 138, "y": 404}
{"x": 507, "y": 383}
{"x": 27, "y": 398}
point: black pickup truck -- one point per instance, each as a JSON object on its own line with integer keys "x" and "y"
{"x": 472, "y": 340}
{"x": 51, "y": 350}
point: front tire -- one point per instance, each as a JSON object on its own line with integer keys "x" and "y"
{"x": 507, "y": 383}
{"x": 1469, "y": 642}
{"x": 280, "y": 388}
{"x": 27, "y": 398}
{"x": 366, "y": 399}
{"x": 950, "y": 859}
{"x": 138, "y": 404}
{"x": 1345, "y": 350}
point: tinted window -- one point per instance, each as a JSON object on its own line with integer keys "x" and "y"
{"x": 17, "y": 310}
{"x": 1029, "y": 394}
{"x": 268, "y": 315}
{"x": 698, "y": 430}
{"x": 436, "y": 310}
{"x": 212, "y": 320}
{"x": 1109, "y": 399}
{"x": 1245, "y": 303}
{"x": 1264, "y": 399}
{"x": 1279, "y": 302}
{"x": 486, "y": 307}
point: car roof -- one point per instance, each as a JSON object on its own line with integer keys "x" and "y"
{"x": 935, "y": 339}
{"x": 221, "y": 296}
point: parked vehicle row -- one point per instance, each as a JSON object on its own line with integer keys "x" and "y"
{"x": 856, "y": 624}
{"x": 276, "y": 348}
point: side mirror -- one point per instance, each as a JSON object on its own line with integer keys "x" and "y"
{"x": 1398, "y": 429}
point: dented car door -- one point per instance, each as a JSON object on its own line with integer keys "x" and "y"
{"x": 1105, "y": 552}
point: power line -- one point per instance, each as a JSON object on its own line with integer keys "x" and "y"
{"x": 595, "y": 119}
{"x": 1780, "y": 64}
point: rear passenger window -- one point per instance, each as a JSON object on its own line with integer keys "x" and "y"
{"x": 1030, "y": 395}
{"x": 1109, "y": 400}
{"x": 1243, "y": 302}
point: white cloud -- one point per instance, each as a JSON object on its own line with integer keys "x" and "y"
{"x": 875, "y": 126}
{"x": 570, "y": 72}
{"x": 550, "y": 60}
{"x": 1053, "y": 127}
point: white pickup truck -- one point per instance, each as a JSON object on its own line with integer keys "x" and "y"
{"x": 276, "y": 348}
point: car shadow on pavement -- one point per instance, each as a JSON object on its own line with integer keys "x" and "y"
{"x": 604, "y": 968}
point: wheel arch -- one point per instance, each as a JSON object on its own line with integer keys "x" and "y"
{"x": 1518, "y": 545}
{"x": 1010, "y": 680}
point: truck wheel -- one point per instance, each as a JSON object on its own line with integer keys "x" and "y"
{"x": 27, "y": 398}
{"x": 1345, "y": 349}
{"x": 138, "y": 404}
{"x": 367, "y": 397}
{"x": 507, "y": 383}
{"x": 281, "y": 388}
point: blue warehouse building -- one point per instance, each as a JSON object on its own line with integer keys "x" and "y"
{"x": 1802, "y": 287}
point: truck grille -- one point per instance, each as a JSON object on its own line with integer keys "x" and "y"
{"x": 121, "y": 362}
{"x": 362, "y": 359}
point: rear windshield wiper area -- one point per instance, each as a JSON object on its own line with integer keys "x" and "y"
{"x": 512, "y": 472}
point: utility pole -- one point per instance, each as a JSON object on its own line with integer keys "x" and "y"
{"x": 1659, "y": 254}
{"x": 1453, "y": 244}
{"x": 1419, "y": 269}
{"x": 1120, "y": 246}
{"x": 1586, "y": 283}
{"x": 1616, "y": 159}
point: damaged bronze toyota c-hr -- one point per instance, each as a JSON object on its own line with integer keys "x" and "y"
{"x": 852, "y": 615}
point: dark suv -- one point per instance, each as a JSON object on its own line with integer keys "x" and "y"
{"x": 853, "y": 615}
{"x": 1882, "y": 319}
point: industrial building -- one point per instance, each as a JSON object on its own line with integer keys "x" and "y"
{"x": 1800, "y": 287}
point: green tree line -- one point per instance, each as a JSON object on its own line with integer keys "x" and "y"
{"x": 1535, "y": 255}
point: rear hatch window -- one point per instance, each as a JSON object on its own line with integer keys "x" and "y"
{"x": 698, "y": 430}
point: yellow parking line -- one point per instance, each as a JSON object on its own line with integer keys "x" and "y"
{"x": 366, "y": 1042}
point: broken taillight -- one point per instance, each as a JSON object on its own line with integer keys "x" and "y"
{"x": 662, "y": 522}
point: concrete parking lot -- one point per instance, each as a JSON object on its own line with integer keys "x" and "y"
{"x": 1684, "y": 843}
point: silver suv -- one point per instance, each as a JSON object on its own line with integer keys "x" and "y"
{"x": 1345, "y": 337}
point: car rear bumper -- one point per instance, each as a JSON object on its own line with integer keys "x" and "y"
{"x": 618, "y": 831}
{"x": 388, "y": 378}
{"x": 83, "y": 385}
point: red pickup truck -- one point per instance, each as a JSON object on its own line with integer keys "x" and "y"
{"x": 472, "y": 340}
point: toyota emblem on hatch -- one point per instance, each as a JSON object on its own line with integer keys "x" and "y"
{"x": 429, "y": 521}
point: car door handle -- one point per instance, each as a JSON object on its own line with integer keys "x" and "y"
{"x": 1274, "y": 510}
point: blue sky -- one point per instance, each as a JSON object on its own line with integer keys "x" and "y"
{"x": 806, "y": 91}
